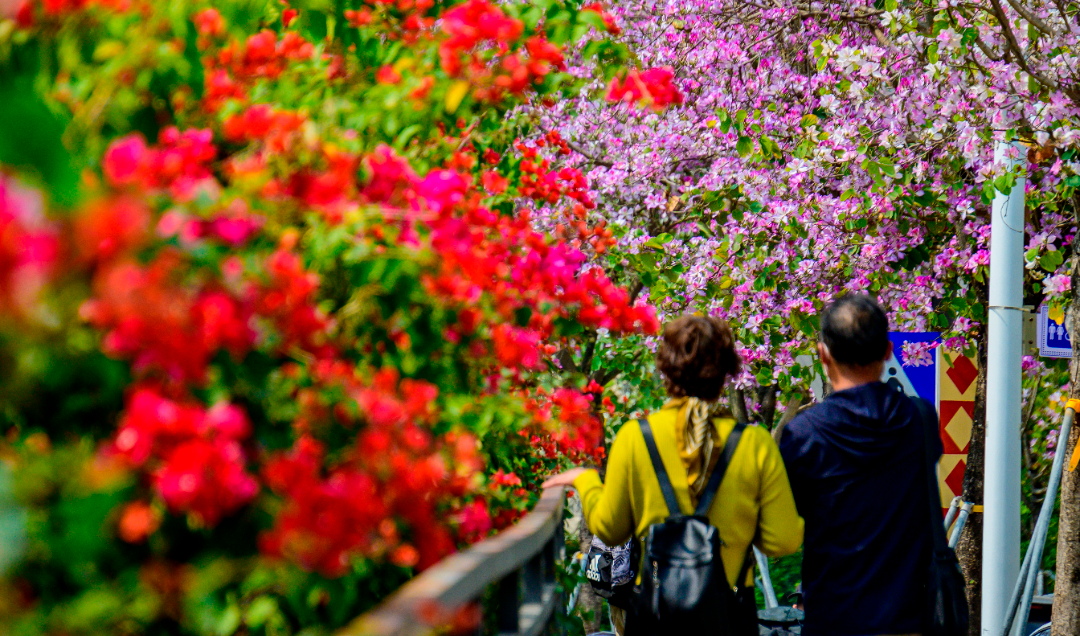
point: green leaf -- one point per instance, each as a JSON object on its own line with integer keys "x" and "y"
{"x": 1050, "y": 261}
{"x": 744, "y": 146}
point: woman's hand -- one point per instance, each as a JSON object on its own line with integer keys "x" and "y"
{"x": 563, "y": 479}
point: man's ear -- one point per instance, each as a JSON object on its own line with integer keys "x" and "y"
{"x": 888, "y": 352}
{"x": 823, "y": 353}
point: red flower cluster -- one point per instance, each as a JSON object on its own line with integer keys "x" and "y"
{"x": 111, "y": 227}
{"x": 288, "y": 298}
{"x": 235, "y": 66}
{"x": 209, "y": 23}
{"x": 180, "y": 162}
{"x": 503, "y": 257}
{"x": 579, "y": 434}
{"x": 521, "y": 73}
{"x": 578, "y": 232}
{"x": 397, "y": 476}
{"x": 653, "y": 88}
{"x": 277, "y": 130}
{"x": 469, "y": 24}
{"x": 609, "y": 20}
{"x": 540, "y": 183}
{"x": 194, "y": 454}
{"x": 478, "y": 21}
{"x": 263, "y": 55}
{"x": 26, "y": 11}
{"x": 516, "y": 348}
{"x": 158, "y": 324}
{"x": 327, "y": 520}
{"x": 29, "y": 247}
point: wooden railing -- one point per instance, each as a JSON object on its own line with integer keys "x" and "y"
{"x": 520, "y": 561}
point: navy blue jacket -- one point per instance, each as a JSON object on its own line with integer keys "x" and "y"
{"x": 855, "y": 462}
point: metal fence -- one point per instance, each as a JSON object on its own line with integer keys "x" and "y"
{"x": 519, "y": 561}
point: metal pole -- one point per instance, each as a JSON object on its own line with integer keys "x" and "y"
{"x": 961, "y": 521}
{"x": 950, "y": 516}
{"x": 767, "y": 589}
{"x": 1001, "y": 477}
{"x": 1022, "y": 605}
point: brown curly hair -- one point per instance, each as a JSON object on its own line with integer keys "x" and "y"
{"x": 696, "y": 356}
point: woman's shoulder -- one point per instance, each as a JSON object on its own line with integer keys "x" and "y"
{"x": 661, "y": 423}
{"x": 758, "y": 437}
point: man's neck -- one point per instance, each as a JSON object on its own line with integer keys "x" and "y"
{"x": 849, "y": 378}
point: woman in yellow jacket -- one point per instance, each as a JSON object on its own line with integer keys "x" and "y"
{"x": 754, "y": 504}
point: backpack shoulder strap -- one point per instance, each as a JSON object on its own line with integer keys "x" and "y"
{"x": 658, "y": 467}
{"x": 717, "y": 476}
{"x": 748, "y": 562}
{"x": 928, "y": 422}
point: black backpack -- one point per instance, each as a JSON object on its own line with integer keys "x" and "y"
{"x": 684, "y": 588}
{"x": 946, "y": 604}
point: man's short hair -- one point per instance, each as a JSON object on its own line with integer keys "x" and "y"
{"x": 856, "y": 330}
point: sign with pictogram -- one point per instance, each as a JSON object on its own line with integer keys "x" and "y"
{"x": 1053, "y": 337}
{"x": 915, "y": 381}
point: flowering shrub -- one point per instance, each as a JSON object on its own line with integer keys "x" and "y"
{"x": 287, "y": 339}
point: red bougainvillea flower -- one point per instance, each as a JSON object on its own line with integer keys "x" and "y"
{"x": 288, "y": 16}
{"x": 107, "y": 228}
{"x": 387, "y": 75}
{"x": 609, "y": 20}
{"x": 399, "y": 473}
{"x": 29, "y": 247}
{"x": 470, "y": 23}
{"x": 474, "y": 521}
{"x": 192, "y": 453}
{"x": 516, "y": 348}
{"x": 209, "y": 23}
{"x": 180, "y": 162}
{"x": 205, "y": 479}
{"x": 653, "y": 88}
{"x": 138, "y": 520}
{"x": 124, "y": 160}
{"x": 161, "y": 326}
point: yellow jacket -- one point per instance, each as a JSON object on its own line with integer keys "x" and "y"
{"x": 754, "y": 503}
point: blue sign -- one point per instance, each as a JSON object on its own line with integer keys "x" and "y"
{"x": 1053, "y": 338}
{"x": 916, "y": 381}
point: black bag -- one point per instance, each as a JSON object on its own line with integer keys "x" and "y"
{"x": 611, "y": 571}
{"x": 946, "y": 604}
{"x": 684, "y": 587}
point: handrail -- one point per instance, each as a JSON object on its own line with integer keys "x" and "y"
{"x": 520, "y": 560}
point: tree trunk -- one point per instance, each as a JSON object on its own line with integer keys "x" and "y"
{"x": 737, "y": 399}
{"x": 969, "y": 548}
{"x": 1066, "y": 616}
{"x": 766, "y": 398}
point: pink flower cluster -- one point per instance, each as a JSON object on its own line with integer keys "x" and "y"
{"x": 179, "y": 163}
{"x": 29, "y": 247}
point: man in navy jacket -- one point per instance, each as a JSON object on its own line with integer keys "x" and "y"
{"x": 855, "y": 462}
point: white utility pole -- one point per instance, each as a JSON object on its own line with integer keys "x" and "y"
{"x": 1001, "y": 475}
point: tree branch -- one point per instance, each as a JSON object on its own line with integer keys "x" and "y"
{"x": 1031, "y": 18}
{"x": 600, "y": 162}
